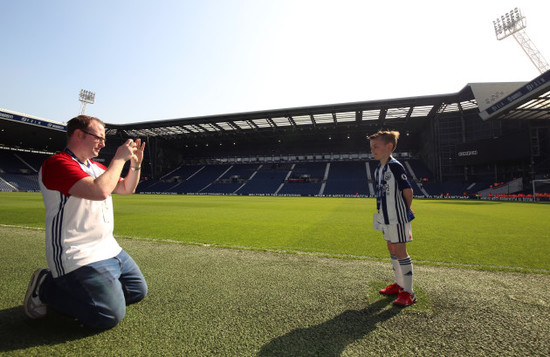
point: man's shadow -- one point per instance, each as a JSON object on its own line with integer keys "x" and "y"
{"x": 330, "y": 338}
{"x": 17, "y": 331}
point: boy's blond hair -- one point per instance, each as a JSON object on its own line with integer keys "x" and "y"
{"x": 387, "y": 136}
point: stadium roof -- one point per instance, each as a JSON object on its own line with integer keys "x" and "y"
{"x": 520, "y": 100}
{"x": 529, "y": 101}
{"x": 28, "y": 132}
{"x": 517, "y": 100}
{"x": 379, "y": 113}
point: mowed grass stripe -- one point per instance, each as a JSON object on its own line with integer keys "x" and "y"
{"x": 477, "y": 233}
{"x": 212, "y": 301}
{"x": 318, "y": 254}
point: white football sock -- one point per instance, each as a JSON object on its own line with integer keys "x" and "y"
{"x": 406, "y": 269}
{"x": 396, "y": 270}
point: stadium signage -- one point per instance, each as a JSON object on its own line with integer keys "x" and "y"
{"x": 32, "y": 121}
{"x": 509, "y": 147}
{"x": 535, "y": 86}
{"x": 468, "y": 153}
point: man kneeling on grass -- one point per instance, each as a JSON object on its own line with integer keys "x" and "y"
{"x": 91, "y": 277}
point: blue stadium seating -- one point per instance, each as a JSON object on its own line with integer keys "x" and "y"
{"x": 13, "y": 163}
{"x": 267, "y": 180}
{"x": 305, "y": 179}
{"x": 34, "y": 160}
{"x": 21, "y": 182}
{"x": 420, "y": 169}
{"x": 348, "y": 179}
{"x": 156, "y": 186}
{"x": 200, "y": 179}
{"x": 232, "y": 180}
{"x": 18, "y": 172}
{"x": 300, "y": 189}
{"x": 5, "y": 186}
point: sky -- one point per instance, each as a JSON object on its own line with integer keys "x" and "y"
{"x": 171, "y": 59}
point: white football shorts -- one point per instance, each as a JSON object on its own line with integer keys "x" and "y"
{"x": 397, "y": 233}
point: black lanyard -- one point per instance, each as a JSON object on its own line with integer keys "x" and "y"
{"x": 73, "y": 155}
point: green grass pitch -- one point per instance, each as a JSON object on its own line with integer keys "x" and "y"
{"x": 480, "y": 274}
{"x": 484, "y": 234}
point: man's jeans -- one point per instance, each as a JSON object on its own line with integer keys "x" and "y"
{"x": 96, "y": 294}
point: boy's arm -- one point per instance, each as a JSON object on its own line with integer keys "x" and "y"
{"x": 408, "y": 196}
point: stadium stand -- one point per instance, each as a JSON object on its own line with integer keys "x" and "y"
{"x": 304, "y": 179}
{"x": 452, "y": 145}
{"x": 5, "y": 186}
{"x": 201, "y": 179}
{"x": 267, "y": 179}
{"x": 13, "y": 162}
{"x": 232, "y": 180}
{"x": 348, "y": 179}
{"x": 22, "y": 182}
{"x": 19, "y": 170}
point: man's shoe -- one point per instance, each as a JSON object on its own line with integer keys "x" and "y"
{"x": 391, "y": 289}
{"x": 405, "y": 299}
{"x": 33, "y": 306}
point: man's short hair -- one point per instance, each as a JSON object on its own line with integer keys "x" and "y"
{"x": 387, "y": 136}
{"x": 81, "y": 122}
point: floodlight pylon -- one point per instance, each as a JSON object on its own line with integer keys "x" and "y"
{"x": 513, "y": 24}
{"x": 85, "y": 97}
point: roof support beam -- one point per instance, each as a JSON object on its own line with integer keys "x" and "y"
{"x": 234, "y": 126}
{"x": 252, "y": 124}
{"x": 382, "y": 117}
{"x": 219, "y": 128}
{"x": 291, "y": 120}
{"x": 408, "y": 116}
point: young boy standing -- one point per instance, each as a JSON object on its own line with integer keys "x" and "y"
{"x": 394, "y": 196}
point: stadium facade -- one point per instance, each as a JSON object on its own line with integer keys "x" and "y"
{"x": 486, "y": 133}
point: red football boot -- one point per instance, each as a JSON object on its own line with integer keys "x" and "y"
{"x": 390, "y": 289}
{"x": 404, "y": 299}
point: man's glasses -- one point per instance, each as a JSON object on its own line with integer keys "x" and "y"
{"x": 99, "y": 138}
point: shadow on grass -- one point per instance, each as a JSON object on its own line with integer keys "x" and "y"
{"x": 331, "y": 337}
{"x": 18, "y": 332}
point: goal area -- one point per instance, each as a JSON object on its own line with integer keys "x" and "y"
{"x": 541, "y": 190}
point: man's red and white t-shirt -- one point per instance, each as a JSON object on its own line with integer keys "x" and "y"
{"x": 78, "y": 231}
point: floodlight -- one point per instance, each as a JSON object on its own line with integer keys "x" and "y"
{"x": 513, "y": 23}
{"x": 86, "y": 97}
{"x": 509, "y": 23}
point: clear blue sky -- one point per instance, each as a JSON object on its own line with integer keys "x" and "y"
{"x": 167, "y": 59}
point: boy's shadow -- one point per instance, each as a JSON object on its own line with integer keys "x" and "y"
{"x": 17, "y": 331}
{"x": 330, "y": 338}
